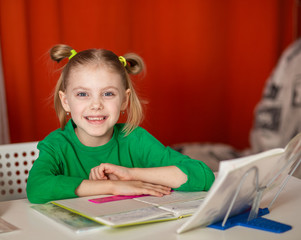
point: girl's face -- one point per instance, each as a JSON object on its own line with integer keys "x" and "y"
{"x": 94, "y": 96}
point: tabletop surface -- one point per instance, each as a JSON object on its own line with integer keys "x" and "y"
{"x": 33, "y": 225}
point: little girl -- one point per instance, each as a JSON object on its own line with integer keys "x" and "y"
{"x": 91, "y": 153}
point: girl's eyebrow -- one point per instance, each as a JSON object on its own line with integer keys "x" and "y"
{"x": 110, "y": 87}
{"x": 79, "y": 88}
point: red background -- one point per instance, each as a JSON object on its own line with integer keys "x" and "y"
{"x": 207, "y": 61}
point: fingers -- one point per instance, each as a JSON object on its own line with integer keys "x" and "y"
{"x": 97, "y": 174}
{"x": 157, "y": 190}
{"x": 107, "y": 167}
{"x": 100, "y": 173}
{"x": 112, "y": 177}
{"x": 138, "y": 187}
{"x": 107, "y": 171}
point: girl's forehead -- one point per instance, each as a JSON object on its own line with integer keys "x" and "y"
{"x": 92, "y": 68}
{"x": 95, "y": 75}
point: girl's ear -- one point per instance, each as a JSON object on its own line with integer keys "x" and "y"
{"x": 125, "y": 102}
{"x": 64, "y": 101}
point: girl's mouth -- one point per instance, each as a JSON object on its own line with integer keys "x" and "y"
{"x": 96, "y": 118}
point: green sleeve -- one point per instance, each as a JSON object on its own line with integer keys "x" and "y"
{"x": 46, "y": 181}
{"x": 199, "y": 176}
{"x": 154, "y": 154}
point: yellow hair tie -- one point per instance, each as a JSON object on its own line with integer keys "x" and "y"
{"x": 73, "y": 53}
{"x": 122, "y": 60}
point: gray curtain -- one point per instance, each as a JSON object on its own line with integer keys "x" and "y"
{"x": 4, "y": 129}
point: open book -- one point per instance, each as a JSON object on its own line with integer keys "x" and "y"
{"x": 243, "y": 177}
{"x": 117, "y": 211}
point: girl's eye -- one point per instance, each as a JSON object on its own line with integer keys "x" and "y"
{"x": 108, "y": 94}
{"x": 82, "y": 94}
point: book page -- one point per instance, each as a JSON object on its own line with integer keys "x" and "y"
{"x": 89, "y": 209}
{"x": 180, "y": 209}
{"x": 136, "y": 216}
{"x": 174, "y": 197}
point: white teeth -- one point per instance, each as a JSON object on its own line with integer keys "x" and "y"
{"x": 96, "y": 118}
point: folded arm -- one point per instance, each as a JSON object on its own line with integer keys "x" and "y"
{"x": 120, "y": 187}
{"x": 170, "y": 176}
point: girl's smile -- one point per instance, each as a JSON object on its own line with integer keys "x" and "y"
{"x": 96, "y": 118}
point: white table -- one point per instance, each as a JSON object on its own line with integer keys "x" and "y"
{"x": 33, "y": 225}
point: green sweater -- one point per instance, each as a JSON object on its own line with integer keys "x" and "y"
{"x": 64, "y": 162}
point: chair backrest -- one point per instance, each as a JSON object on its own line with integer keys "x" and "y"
{"x": 15, "y": 163}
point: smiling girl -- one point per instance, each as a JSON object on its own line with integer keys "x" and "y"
{"x": 91, "y": 153}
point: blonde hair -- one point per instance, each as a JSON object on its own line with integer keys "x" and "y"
{"x": 134, "y": 65}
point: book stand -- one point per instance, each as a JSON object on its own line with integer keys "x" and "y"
{"x": 253, "y": 218}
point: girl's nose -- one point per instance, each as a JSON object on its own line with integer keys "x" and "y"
{"x": 96, "y": 105}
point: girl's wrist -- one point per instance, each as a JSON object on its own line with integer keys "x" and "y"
{"x": 133, "y": 174}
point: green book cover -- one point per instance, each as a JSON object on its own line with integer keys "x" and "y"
{"x": 71, "y": 220}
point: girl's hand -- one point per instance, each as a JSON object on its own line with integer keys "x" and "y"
{"x": 91, "y": 187}
{"x": 107, "y": 171}
{"x": 138, "y": 188}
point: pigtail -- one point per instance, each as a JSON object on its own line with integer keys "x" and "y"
{"x": 135, "y": 63}
{"x": 59, "y": 52}
{"x": 134, "y": 112}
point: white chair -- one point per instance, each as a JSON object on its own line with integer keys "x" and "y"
{"x": 15, "y": 163}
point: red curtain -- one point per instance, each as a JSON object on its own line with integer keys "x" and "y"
{"x": 207, "y": 61}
